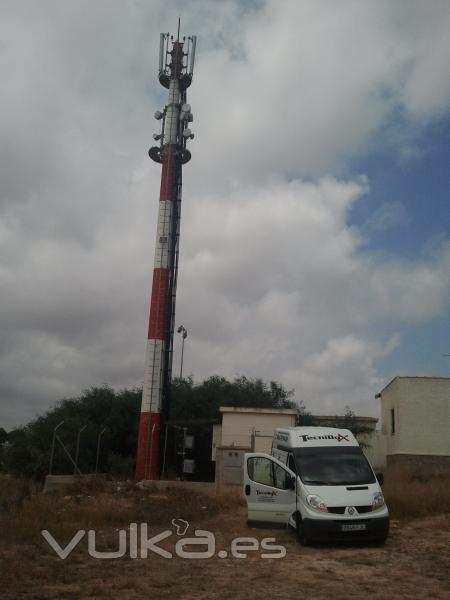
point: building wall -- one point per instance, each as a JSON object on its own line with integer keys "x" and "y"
{"x": 390, "y": 400}
{"x": 428, "y": 461}
{"x": 422, "y": 416}
{"x": 229, "y": 465}
{"x": 245, "y": 430}
{"x": 368, "y": 439}
{"x": 378, "y": 456}
{"x": 216, "y": 439}
{"x": 237, "y": 428}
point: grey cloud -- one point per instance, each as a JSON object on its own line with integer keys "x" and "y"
{"x": 270, "y": 273}
{"x": 278, "y": 304}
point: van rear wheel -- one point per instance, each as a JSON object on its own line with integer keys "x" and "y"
{"x": 302, "y": 537}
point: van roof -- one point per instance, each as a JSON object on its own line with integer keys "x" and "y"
{"x": 308, "y": 437}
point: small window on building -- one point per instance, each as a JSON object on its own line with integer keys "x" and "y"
{"x": 392, "y": 421}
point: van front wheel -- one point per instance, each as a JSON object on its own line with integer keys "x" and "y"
{"x": 302, "y": 537}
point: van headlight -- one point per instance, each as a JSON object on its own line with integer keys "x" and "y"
{"x": 377, "y": 501}
{"x": 316, "y": 503}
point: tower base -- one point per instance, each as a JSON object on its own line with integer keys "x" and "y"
{"x": 147, "y": 461}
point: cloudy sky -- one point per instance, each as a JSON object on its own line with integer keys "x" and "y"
{"x": 315, "y": 244}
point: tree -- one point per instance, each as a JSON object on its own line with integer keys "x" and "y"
{"x": 27, "y": 450}
{"x": 3, "y": 436}
{"x": 304, "y": 417}
{"x": 3, "y": 442}
{"x": 191, "y": 401}
{"x": 350, "y": 422}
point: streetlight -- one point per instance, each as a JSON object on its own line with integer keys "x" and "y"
{"x": 183, "y": 332}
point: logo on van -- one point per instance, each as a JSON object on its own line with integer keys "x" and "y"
{"x": 272, "y": 493}
{"x": 339, "y": 437}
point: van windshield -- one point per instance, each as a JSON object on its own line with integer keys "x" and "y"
{"x": 333, "y": 466}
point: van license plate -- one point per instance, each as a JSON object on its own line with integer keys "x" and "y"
{"x": 353, "y": 527}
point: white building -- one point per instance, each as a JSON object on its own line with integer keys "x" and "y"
{"x": 250, "y": 427}
{"x": 251, "y": 430}
{"x": 415, "y": 428}
{"x": 415, "y": 421}
{"x": 244, "y": 430}
{"x": 364, "y": 429}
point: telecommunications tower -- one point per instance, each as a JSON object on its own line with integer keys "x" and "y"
{"x": 176, "y": 65}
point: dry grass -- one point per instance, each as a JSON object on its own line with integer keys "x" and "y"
{"x": 13, "y": 493}
{"x": 415, "y": 560}
{"x": 99, "y": 505}
{"x": 413, "y": 494}
{"x": 108, "y": 505}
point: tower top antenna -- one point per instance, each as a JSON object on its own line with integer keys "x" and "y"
{"x": 176, "y": 58}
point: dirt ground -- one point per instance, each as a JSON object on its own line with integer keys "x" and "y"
{"x": 414, "y": 563}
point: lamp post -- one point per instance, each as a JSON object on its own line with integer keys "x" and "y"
{"x": 183, "y": 332}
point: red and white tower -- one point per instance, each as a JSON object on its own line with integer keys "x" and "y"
{"x": 176, "y": 65}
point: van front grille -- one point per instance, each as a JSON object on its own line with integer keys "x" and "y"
{"x": 340, "y": 510}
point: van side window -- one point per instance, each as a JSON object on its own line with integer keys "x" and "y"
{"x": 260, "y": 470}
{"x": 291, "y": 463}
{"x": 280, "y": 476}
{"x": 265, "y": 471}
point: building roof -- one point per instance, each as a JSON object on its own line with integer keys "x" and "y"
{"x": 411, "y": 377}
{"x": 343, "y": 418}
{"x": 268, "y": 411}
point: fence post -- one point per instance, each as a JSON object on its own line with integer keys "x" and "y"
{"x": 80, "y": 431}
{"x": 98, "y": 448}
{"x": 52, "y": 452}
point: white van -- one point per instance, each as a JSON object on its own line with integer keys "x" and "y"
{"x": 318, "y": 481}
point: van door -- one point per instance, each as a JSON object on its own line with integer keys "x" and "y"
{"x": 269, "y": 489}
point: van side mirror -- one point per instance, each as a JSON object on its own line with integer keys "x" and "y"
{"x": 380, "y": 478}
{"x": 290, "y": 481}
